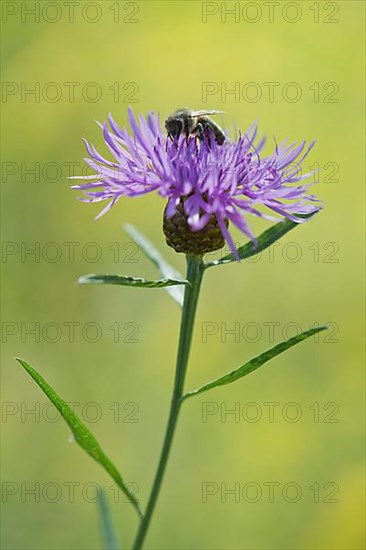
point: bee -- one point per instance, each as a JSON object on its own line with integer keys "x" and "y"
{"x": 197, "y": 123}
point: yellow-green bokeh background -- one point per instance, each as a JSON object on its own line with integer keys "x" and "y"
{"x": 169, "y": 53}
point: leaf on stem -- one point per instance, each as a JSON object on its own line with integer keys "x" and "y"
{"x": 82, "y": 435}
{"x": 165, "y": 269}
{"x": 255, "y": 363}
{"x": 266, "y": 239}
{"x": 128, "y": 281}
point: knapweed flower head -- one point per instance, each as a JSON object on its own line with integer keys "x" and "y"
{"x": 207, "y": 187}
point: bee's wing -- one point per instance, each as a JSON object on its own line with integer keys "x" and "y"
{"x": 205, "y": 113}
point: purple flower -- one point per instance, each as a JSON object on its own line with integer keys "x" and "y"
{"x": 228, "y": 181}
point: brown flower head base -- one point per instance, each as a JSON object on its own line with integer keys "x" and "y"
{"x": 180, "y": 236}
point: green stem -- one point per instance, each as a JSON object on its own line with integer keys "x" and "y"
{"x": 195, "y": 269}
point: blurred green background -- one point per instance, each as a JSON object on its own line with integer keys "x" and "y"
{"x": 158, "y": 55}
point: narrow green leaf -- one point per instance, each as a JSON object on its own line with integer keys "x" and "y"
{"x": 266, "y": 239}
{"x": 82, "y": 435}
{"x": 165, "y": 269}
{"x": 257, "y": 362}
{"x": 128, "y": 281}
{"x": 109, "y": 537}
